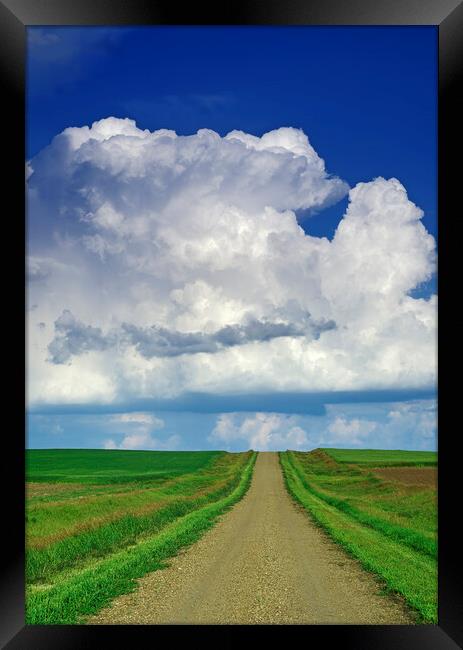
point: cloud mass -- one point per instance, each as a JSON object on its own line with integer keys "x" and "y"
{"x": 74, "y": 338}
{"x": 161, "y": 264}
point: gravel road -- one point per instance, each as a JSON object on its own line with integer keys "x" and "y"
{"x": 263, "y": 562}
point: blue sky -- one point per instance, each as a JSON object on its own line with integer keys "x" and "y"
{"x": 366, "y": 100}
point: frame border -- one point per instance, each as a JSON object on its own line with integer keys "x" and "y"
{"x": 447, "y": 16}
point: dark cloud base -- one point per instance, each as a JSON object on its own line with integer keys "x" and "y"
{"x": 293, "y": 403}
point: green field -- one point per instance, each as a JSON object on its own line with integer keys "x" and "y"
{"x": 383, "y": 457}
{"x": 97, "y": 519}
{"x": 101, "y": 466}
{"x": 389, "y": 525}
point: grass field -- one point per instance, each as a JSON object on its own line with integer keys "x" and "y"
{"x": 98, "y": 519}
{"x": 391, "y": 527}
{"x": 383, "y": 457}
{"x": 101, "y": 466}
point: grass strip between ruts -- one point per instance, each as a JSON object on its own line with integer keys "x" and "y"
{"x": 403, "y": 570}
{"x": 86, "y": 592}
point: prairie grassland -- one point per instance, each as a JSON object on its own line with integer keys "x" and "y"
{"x": 86, "y": 545}
{"x": 389, "y": 526}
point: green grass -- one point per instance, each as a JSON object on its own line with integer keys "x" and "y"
{"x": 84, "y": 549}
{"x": 390, "y": 528}
{"x": 383, "y": 457}
{"x": 54, "y": 517}
{"x": 101, "y": 466}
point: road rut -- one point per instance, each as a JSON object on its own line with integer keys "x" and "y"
{"x": 264, "y": 562}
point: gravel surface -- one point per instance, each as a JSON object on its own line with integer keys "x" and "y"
{"x": 263, "y": 562}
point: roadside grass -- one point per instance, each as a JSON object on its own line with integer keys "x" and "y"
{"x": 390, "y": 529}
{"x": 54, "y": 517}
{"x": 60, "y": 576}
{"x": 45, "y": 562}
{"x": 383, "y": 457}
{"x": 404, "y": 513}
{"x": 80, "y": 593}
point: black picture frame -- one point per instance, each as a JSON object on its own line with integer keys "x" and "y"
{"x": 15, "y": 16}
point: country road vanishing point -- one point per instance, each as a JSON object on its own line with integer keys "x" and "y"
{"x": 264, "y": 562}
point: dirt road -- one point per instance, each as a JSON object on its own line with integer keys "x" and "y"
{"x": 264, "y": 562}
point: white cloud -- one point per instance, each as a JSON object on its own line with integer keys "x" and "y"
{"x": 143, "y": 440}
{"x": 411, "y": 418}
{"x": 399, "y": 425}
{"x": 39, "y": 269}
{"x": 187, "y": 243}
{"x": 261, "y": 432}
{"x": 351, "y": 431}
{"x": 146, "y": 419}
{"x": 138, "y": 432}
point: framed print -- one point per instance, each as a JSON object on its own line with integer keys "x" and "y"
{"x": 231, "y": 223}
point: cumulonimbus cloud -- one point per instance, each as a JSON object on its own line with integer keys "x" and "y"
{"x": 148, "y": 248}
